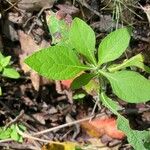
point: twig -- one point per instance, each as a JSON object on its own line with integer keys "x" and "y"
{"x": 65, "y": 125}
{"x": 37, "y": 18}
{"x": 16, "y": 119}
{"x": 29, "y": 136}
{"x": 94, "y": 108}
{"x": 5, "y": 140}
{"x": 83, "y": 3}
{"x": 106, "y": 5}
{"x": 12, "y": 5}
{"x": 147, "y": 11}
{"x": 18, "y": 146}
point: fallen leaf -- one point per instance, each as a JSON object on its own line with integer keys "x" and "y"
{"x": 60, "y": 146}
{"x": 100, "y": 126}
{"x": 68, "y": 9}
{"x": 97, "y": 144}
{"x": 29, "y": 46}
{"x": 66, "y": 83}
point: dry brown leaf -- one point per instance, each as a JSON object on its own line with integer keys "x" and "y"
{"x": 29, "y": 46}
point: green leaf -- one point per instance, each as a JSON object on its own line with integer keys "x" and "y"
{"x": 1, "y": 68}
{"x": 129, "y": 86}
{"x": 14, "y": 135}
{"x": 142, "y": 66}
{"x": 113, "y": 45}
{"x": 5, "y": 133}
{"x": 10, "y": 73}
{"x": 82, "y": 38}
{"x": 82, "y": 80}
{"x": 136, "y": 61}
{"x": 92, "y": 87}
{"x": 57, "y": 62}
{"x": 136, "y": 138}
{"x": 22, "y": 127}
{"x": 79, "y": 96}
{"x": 1, "y": 56}
{"x": 5, "y": 61}
{"x": 109, "y": 103}
{"x": 58, "y": 28}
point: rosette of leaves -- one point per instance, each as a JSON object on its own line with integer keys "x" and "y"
{"x": 62, "y": 62}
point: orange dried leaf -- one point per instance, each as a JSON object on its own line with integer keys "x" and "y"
{"x": 102, "y": 126}
{"x": 67, "y": 83}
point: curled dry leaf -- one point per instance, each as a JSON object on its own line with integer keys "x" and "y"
{"x": 101, "y": 126}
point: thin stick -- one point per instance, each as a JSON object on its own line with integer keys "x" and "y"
{"x": 94, "y": 108}
{"x": 83, "y": 3}
{"x": 65, "y": 125}
{"x": 12, "y": 5}
{"x": 6, "y": 140}
{"x": 16, "y": 119}
{"x": 29, "y": 136}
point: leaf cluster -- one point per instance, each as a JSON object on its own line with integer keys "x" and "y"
{"x": 77, "y": 54}
{"x": 6, "y": 70}
{"x": 12, "y": 133}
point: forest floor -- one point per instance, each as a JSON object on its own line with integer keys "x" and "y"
{"x": 38, "y": 103}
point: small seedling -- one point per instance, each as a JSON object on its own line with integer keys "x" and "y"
{"x": 62, "y": 61}
{"x": 6, "y": 70}
{"x": 12, "y": 133}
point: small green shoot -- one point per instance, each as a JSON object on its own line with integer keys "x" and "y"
{"x": 12, "y": 133}
{"x": 6, "y": 70}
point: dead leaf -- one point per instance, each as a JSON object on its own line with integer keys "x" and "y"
{"x": 39, "y": 117}
{"x": 68, "y": 9}
{"x": 100, "y": 126}
{"x": 66, "y": 83}
{"x": 60, "y": 146}
{"x": 96, "y": 144}
{"x": 29, "y": 46}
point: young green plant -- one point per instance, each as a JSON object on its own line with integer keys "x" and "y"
{"x": 6, "y": 70}
{"x": 62, "y": 62}
{"x": 12, "y": 133}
